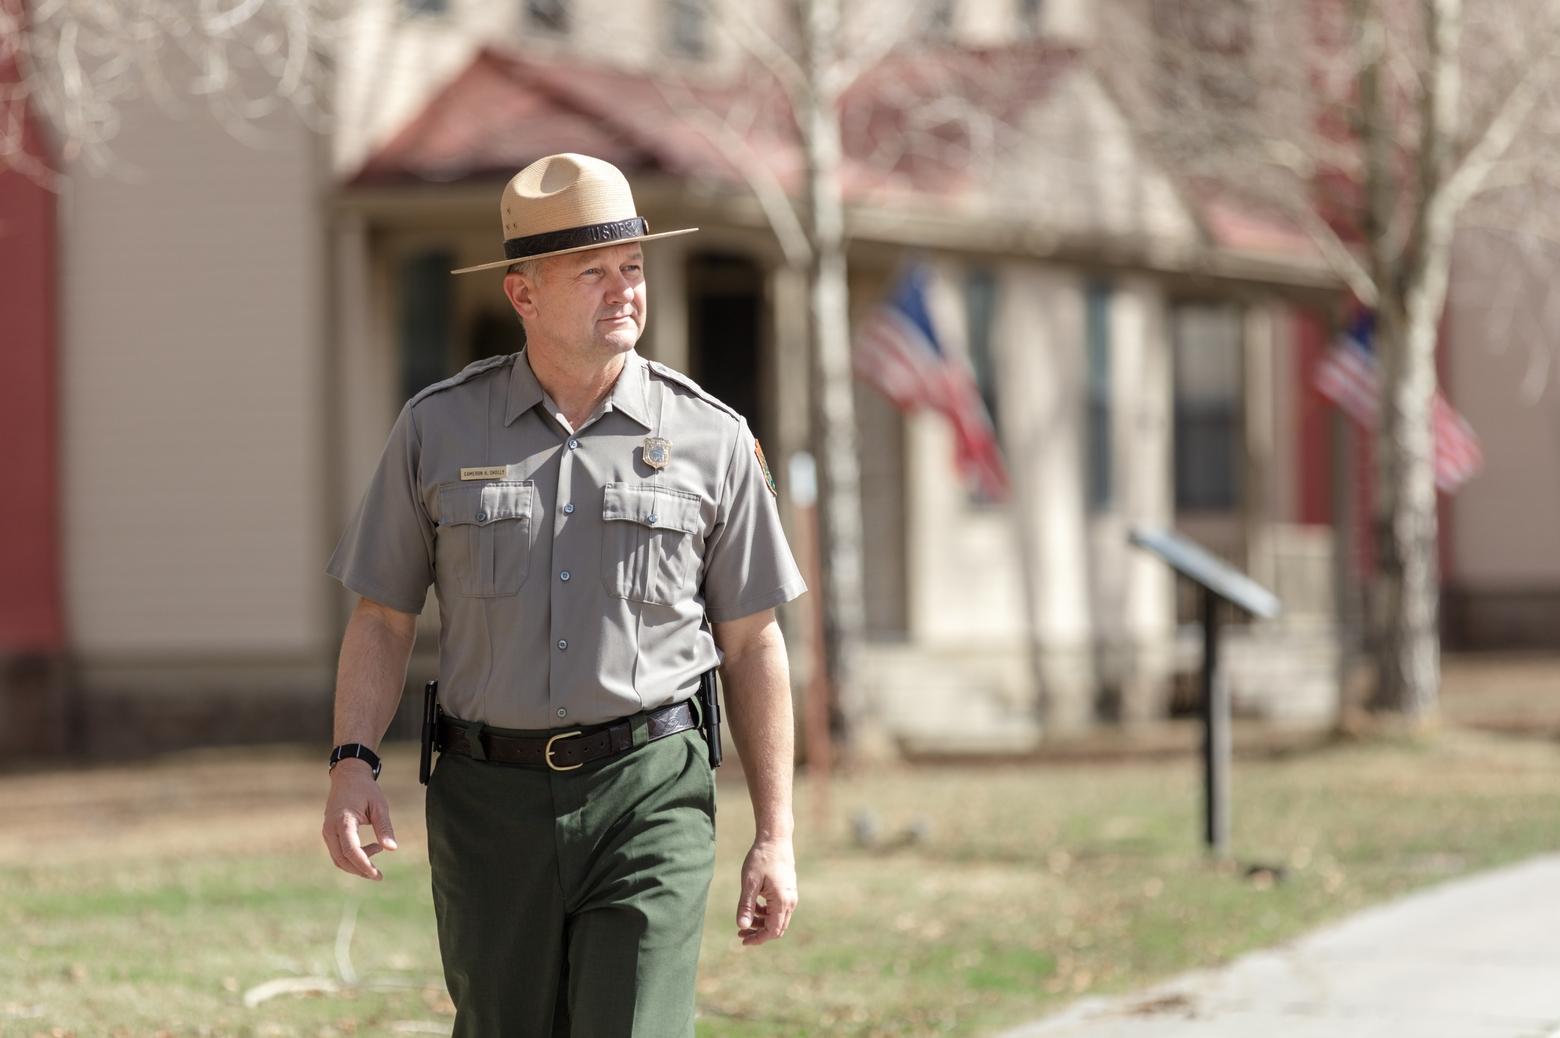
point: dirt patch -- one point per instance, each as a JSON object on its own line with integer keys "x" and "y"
{"x": 1519, "y": 694}
{"x": 209, "y": 802}
{"x": 1165, "y": 1005}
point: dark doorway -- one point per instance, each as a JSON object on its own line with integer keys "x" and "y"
{"x": 493, "y": 333}
{"x": 725, "y": 332}
{"x": 425, "y": 301}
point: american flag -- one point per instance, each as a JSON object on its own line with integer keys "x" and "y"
{"x": 898, "y": 352}
{"x": 1347, "y": 376}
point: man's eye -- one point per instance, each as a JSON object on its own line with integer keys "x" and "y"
{"x": 591, "y": 270}
{"x": 632, "y": 268}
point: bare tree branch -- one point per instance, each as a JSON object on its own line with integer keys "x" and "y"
{"x": 733, "y": 19}
{"x": 777, "y": 205}
{"x": 885, "y": 35}
{"x": 1341, "y": 257}
{"x": 1500, "y": 130}
{"x": 79, "y": 63}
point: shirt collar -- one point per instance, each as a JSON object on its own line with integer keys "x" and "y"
{"x": 628, "y": 392}
{"x": 524, "y": 391}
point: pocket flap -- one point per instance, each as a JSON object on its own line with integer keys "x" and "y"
{"x": 651, "y": 504}
{"x": 484, "y": 503}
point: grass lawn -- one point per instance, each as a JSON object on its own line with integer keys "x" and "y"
{"x": 150, "y": 899}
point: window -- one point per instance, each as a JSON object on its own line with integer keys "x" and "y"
{"x": 939, "y": 19}
{"x": 1097, "y": 438}
{"x": 1209, "y": 445}
{"x": 686, "y": 25}
{"x": 547, "y": 15}
{"x": 980, "y": 311}
{"x": 1029, "y": 16}
{"x": 424, "y": 319}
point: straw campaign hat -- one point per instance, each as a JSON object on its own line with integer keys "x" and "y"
{"x": 567, "y": 203}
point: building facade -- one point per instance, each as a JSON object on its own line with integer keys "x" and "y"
{"x": 240, "y": 324}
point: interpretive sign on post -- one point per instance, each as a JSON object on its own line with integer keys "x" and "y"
{"x": 1216, "y": 580}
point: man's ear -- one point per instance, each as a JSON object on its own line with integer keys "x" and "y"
{"x": 521, "y": 292}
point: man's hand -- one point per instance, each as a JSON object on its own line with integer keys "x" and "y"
{"x": 768, "y": 873}
{"x": 356, "y": 799}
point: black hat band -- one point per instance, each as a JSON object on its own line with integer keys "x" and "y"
{"x": 575, "y": 237}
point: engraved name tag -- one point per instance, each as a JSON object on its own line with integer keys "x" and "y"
{"x": 491, "y": 472}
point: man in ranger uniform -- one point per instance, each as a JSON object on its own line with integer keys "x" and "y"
{"x": 599, "y": 531}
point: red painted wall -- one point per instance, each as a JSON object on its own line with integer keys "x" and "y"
{"x": 31, "y": 613}
{"x": 1313, "y": 338}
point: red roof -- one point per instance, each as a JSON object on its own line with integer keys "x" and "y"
{"x": 911, "y": 128}
{"x": 902, "y": 120}
{"x": 505, "y": 111}
{"x": 1246, "y": 225}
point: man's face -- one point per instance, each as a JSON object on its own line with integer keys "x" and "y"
{"x": 590, "y": 304}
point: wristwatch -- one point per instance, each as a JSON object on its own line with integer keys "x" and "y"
{"x": 358, "y": 750}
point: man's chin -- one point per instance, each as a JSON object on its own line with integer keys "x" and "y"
{"x": 620, "y": 340}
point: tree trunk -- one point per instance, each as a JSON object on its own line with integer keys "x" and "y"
{"x": 834, "y": 412}
{"x": 1413, "y": 292}
{"x": 1406, "y": 600}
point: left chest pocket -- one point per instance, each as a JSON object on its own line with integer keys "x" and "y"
{"x": 484, "y": 537}
{"x": 650, "y": 542}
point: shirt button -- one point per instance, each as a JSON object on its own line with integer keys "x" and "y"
{"x": 564, "y": 575}
{"x": 562, "y": 712}
{"x": 481, "y": 517}
{"x": 573, "y": 444}
{"x": 651, "y": 518}
{"x": 568, "y": 509}
{"x": 563, "y": 643}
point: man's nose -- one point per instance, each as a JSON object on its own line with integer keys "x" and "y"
{"x": 620, "y": 288}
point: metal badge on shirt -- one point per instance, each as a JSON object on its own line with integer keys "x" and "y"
{"x": 657, "y": 451}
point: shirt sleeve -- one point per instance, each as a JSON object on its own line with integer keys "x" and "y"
{"x": 386, "y": 552}
{"x": 748, "y": 565}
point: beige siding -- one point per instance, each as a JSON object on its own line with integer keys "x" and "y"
{"x": 1040, "y": 328}
{"x": 396, "y": 63}
{"x": 1502, "y": 377}
{"x": 1140, "y": 366}
{"x": 193, "y": 442}
{"x": 1075, "y": 168}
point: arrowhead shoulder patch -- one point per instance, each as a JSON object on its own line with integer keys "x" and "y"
{"x": 769, "y": 481}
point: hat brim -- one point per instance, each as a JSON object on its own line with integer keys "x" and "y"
{"x": 577, "y": 248}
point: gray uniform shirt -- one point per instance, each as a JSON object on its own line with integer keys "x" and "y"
{"x": 573, "y": 578}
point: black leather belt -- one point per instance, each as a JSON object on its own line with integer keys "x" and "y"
{"x": 566, "y": 749}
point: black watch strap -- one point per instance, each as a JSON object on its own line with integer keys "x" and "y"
{"x": 358, "y": 750}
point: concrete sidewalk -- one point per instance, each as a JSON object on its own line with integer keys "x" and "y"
{"x": 1473, "y": 958}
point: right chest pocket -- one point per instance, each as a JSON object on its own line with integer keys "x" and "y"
{"x": 484, "y": 537}
{"x": 651, "y": 536}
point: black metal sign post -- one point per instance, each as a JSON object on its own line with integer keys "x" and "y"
{"x": 1217, "y": 581}
{"x": 1216, "y": 734}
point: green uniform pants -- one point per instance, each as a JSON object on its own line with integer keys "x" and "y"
{"x": 572, "y": 903}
